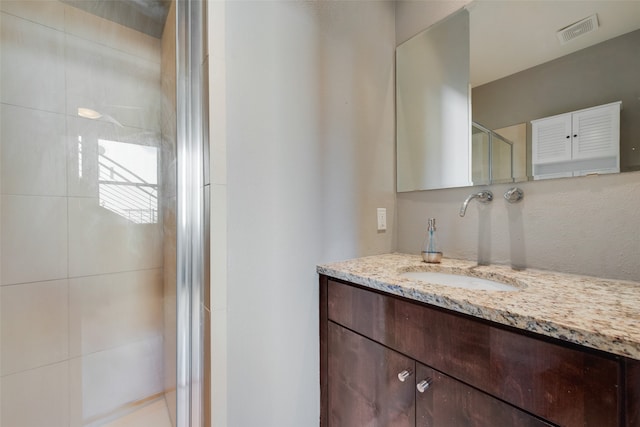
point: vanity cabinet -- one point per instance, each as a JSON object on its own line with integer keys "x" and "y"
{"x": 372, "y": 385}
{"x": 480, "y": 373}
{"x": 577, "y": 143}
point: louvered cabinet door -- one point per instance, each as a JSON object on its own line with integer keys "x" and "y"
{"x": 596, "y": 132}
{"x": 577, "y": 143}
{"x": 551, "y": 140}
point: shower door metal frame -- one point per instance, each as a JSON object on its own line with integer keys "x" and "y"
{"x": 491, "y": 134}
{"x": 190, "y": 216}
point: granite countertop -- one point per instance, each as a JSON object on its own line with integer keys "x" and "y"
{"x": 598, "y": 313}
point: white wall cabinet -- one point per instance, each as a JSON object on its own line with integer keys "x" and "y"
{"x": 577, "y": 143}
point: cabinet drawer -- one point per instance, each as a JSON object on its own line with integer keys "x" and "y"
{"x": 561, "y": 384}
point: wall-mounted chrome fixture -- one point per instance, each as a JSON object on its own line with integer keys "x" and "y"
{"x": 484, "y": 196}
{"x": 513, "y": 195}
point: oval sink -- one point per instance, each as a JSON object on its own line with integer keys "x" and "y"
{"x": 458, "y": 281}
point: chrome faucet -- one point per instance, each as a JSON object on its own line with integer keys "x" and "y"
{"x": 484, "y": 196}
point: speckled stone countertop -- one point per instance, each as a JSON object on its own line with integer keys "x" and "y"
{"x": 598, "y": 313}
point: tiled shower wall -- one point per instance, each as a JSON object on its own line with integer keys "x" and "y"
{"x": 81, "y": 295}
{"x": 168, "y": 206}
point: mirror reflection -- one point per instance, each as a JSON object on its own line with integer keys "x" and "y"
{"x": 536, "y": 64}
{"x": 432, "y": 104}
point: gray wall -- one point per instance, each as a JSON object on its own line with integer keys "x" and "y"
{"x": 603, "y": 73}
{"x": 308, "y": 131}
{"x": 302, "y": 127}
{"x": 587, "y": 225}
{"x": 413, "y": 16}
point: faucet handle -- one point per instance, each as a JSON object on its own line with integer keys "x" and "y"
{"x": 513, "y": 195}
{"x": 485, "y": 196}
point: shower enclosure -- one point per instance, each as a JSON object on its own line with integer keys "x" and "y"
{"x": 492, "y": 156}
{"x": 102, "y": 213}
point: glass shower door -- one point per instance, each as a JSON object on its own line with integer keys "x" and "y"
{"x": 492, "y": 156}
{"x": 88, "y": 147}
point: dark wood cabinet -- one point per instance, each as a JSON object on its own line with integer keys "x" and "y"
{"x": 364, "y": 388}
{"x": 448, "y": 402}
{"x": 481, "y": 374}
{"x": 371, "y": 385}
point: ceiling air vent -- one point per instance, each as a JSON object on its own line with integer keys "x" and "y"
{"x": 577, "y": 29}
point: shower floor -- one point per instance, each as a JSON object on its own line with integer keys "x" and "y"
{"x": 155, "y": 414}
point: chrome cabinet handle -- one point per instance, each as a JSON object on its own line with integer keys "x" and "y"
{"x": 423, "y": 385}
{"x": 402, "y": 376}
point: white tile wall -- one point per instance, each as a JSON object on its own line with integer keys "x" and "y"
{"x": 114, "y": 83}
{"x": 36, "y": 398}
{"x": 170, "y": 328}
{"x": 110, "y": 379}
{"x": 168, "y": 167}
{"x": 33, "y": 152}
{"x": 168, "y": 207}
{"x": 34, "y": 324}
{"x": 154, "y": 414}
{"x": 49, "y": 13}
{"x": 107, "y": 33}
{"x": 77, "y": 280}
{"x": 82, "y": 172}
{"x": 34, "y": 239}
{"x": 82, "y": 153}
{"x": 32, "y": 65}
{"x": 102, "y": 241}
{"x": 112, "y": 310}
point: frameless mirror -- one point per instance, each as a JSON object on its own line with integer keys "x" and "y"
{"x": 432, "y": 101}
{"x": 528, "y": 60}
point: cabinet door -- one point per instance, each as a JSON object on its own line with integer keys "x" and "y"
{"x": 551, "y": 139}
{"x": 447, "y": 403}
{"x": 363, "y": 384}
{"x": 596, "y": 132}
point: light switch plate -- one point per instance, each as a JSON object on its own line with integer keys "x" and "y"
{"x": 382, "y": 219}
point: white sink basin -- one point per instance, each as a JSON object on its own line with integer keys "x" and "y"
{"x": 458, "y": 281}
